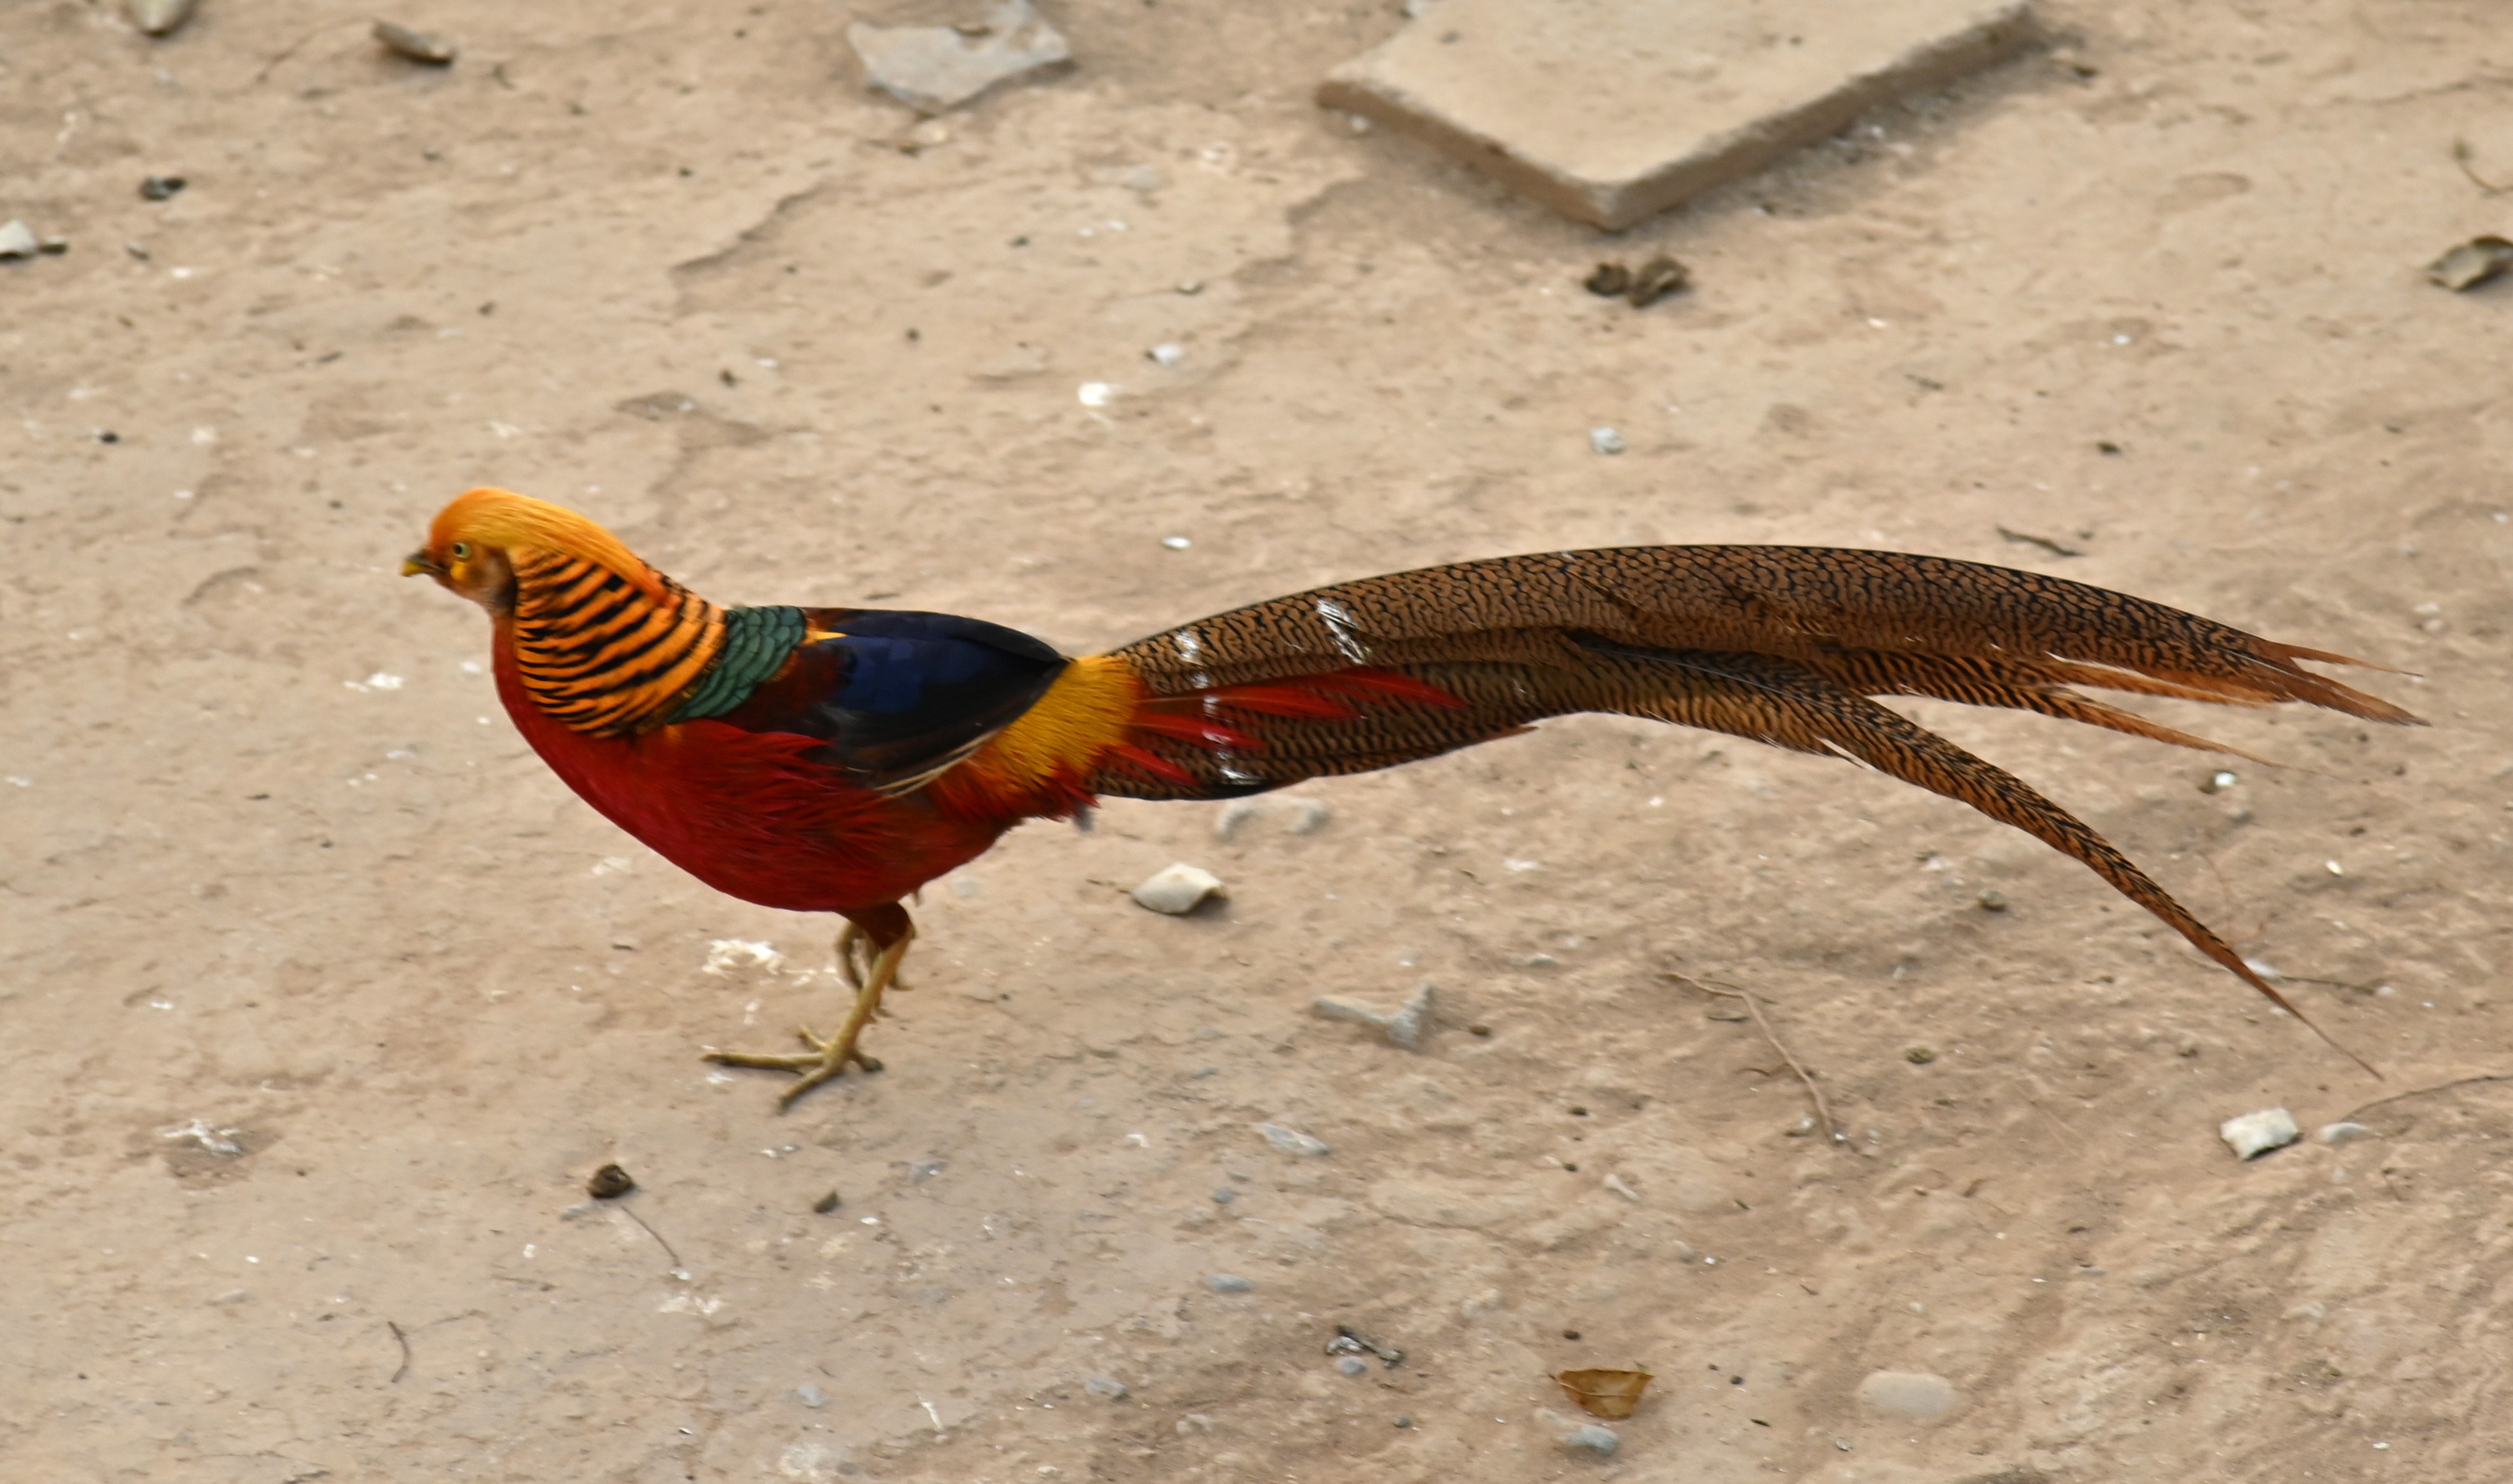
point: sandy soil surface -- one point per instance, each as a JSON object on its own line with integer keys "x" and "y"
{"x": 323, "y": 997}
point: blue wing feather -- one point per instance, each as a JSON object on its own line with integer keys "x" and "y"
{"x": 898, "y": 694}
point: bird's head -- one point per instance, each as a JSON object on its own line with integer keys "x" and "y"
{"x": 479, "y": 542}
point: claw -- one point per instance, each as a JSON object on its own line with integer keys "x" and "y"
{"x": 829, "y": 1056}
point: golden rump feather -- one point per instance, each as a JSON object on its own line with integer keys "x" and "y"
{"x": 837, "y": 759}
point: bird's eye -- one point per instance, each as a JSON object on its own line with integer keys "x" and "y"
{"x": 462, "y": 551}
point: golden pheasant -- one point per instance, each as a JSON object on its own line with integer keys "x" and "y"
{"x": 837, "y": 759}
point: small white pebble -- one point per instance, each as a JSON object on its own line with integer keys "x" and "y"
{"x": 1606, "y": 440}
{"x": 2344, "y": 1133}
{"x": 1178, "y": 890}
{"x": 1095, "y": 393}
{"x": 1176, "y": 543}
{"x": 2253, "y": 1135}
{"x": 1166, "y": 353}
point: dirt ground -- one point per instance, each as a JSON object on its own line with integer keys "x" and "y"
{"x": 324, "y": 997}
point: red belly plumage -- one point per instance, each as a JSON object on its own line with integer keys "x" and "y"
{"x": 754, "y": 815}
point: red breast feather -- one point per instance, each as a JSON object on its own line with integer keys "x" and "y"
{"x": 756, "y": 815}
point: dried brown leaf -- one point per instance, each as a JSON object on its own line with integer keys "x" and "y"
{"x": 1609, "y": 1394}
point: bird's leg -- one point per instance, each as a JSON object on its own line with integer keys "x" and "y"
{"x": 853, "y": 943}
{"x": 885, "y": 932}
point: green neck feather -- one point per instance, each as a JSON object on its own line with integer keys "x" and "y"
{"x": 756, "y": 642}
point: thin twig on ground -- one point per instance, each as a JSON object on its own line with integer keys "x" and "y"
{"x": 294, "y": 47}
{"x": 2461, "y": 155}
{"x": 2027, "y": 539}
{"x": 652, "y": 1232}
{"x": 2440, "y": 1087}
{"x": 1754, "y": 1007}
{"x": 403, "y": 1340}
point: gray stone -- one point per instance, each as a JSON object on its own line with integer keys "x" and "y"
{"x": 426, "y": 47}
{"x": 2344, "y": 1133}
{"x": 934, "y": 68}
{"x": 1403, "y": 1027}
{"x": 1235, "y": 816}
{"x": 1178, "y": 890}
{"x": 1108, "y": 1387}
{"x": 1598, "y": 1440}
{"x": 160, "y": 18}
{"x": 1352, "y": 1365}
{"x": 1292, "y": 1141}
{"x": 1229, "y": 1283}
{"x": 2478, "y": 260}
{"x": 1914, "y": 1395}
{"x": 811, "y": 1396}
{"x": 1610, "y": 111}
{"x": 2253, "y": 1135}
{"x": 17, "y": 240}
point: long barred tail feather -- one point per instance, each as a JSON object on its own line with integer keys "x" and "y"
{"x": 1783, "y": 645}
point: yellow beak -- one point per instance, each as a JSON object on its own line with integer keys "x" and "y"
{"x": 420, "y": 563}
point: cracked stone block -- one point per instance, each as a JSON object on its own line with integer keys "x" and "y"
{"x": 1611, "y": 110}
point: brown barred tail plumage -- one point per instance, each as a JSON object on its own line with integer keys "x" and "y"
{"x": 1780, "y": 644}
{"x": 1795, "y": 601}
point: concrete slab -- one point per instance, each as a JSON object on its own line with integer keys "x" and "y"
{"x": 1610, "y": 111}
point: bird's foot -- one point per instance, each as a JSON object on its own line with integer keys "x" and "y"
{"x": 828, "y": 1056}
